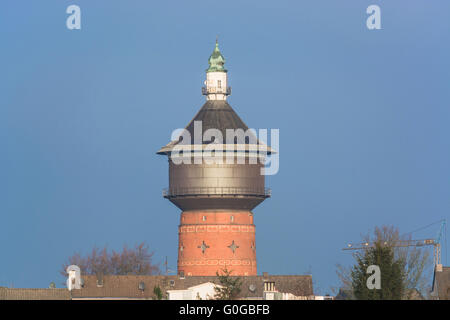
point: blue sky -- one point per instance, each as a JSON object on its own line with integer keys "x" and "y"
{"x": 363, "y": 117}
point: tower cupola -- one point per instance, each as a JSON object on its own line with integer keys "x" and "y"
{"x": 216, "y": 84}
{"x": 216, "y": 61}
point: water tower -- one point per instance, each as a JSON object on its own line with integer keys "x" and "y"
{"x": 216, "y": 228}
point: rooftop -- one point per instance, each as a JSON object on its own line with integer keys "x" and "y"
{"x": 34, "y": 294}
{"x": 127, "y": 287}
{"x": 216, "y": 114}
{"x": 441, "y": 283}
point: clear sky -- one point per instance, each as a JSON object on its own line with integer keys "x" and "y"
{"x": 364, "y": 121}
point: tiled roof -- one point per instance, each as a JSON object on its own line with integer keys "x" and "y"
{"x": 118, "y": 287}
{"x": 441, "y": 282}
{"x": 128, "y": 286}
{"x": 34, "y": 294}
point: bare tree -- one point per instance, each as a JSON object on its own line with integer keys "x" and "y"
{"x": 135, "y": 261}
{"x": 344, "y": 291}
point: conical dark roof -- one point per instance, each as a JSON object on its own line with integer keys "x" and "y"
{"x": 217, "y": 114}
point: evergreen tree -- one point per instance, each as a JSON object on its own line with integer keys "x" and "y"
{"x": 229, "y": 288}
{"x": 416, "y": 262}
{"x": 391, "y": 272}
{"x": 157, "y": 292}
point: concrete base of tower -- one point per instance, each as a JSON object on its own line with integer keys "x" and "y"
{"x": 210, "y": 241}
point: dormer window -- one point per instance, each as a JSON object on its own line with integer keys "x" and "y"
{"x": 269, "y": 286}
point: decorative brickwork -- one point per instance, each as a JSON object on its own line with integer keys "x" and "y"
{"x": 213, "y": 240}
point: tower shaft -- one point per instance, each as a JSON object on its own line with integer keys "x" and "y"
{"x": 211, "y": 240}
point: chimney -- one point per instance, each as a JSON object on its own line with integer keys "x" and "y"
{"x": 74, "y": 278}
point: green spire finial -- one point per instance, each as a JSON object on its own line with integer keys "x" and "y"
{"x": 216, "y": 60}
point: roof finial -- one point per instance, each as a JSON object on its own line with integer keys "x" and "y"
{"x": 216, "y": 60}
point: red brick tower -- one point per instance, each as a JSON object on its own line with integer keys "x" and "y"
{"x": 216, "y": 197}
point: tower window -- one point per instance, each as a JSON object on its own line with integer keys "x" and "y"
{"x": 219, "y": 83}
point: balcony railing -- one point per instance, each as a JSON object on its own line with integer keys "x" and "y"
{"x": 216, "y": 191}
{"x": 206, "y": 90}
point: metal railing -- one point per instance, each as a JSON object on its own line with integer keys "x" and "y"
{"x": 206, "y": 90}
{"x": 200, "y": 191}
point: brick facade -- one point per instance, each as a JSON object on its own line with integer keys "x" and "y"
{"x": 212, "y": 240}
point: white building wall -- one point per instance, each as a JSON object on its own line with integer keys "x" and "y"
{"x": 204, "y": 291}
{"x": 179, "y": 295}
{"x": 216, "y": 85}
